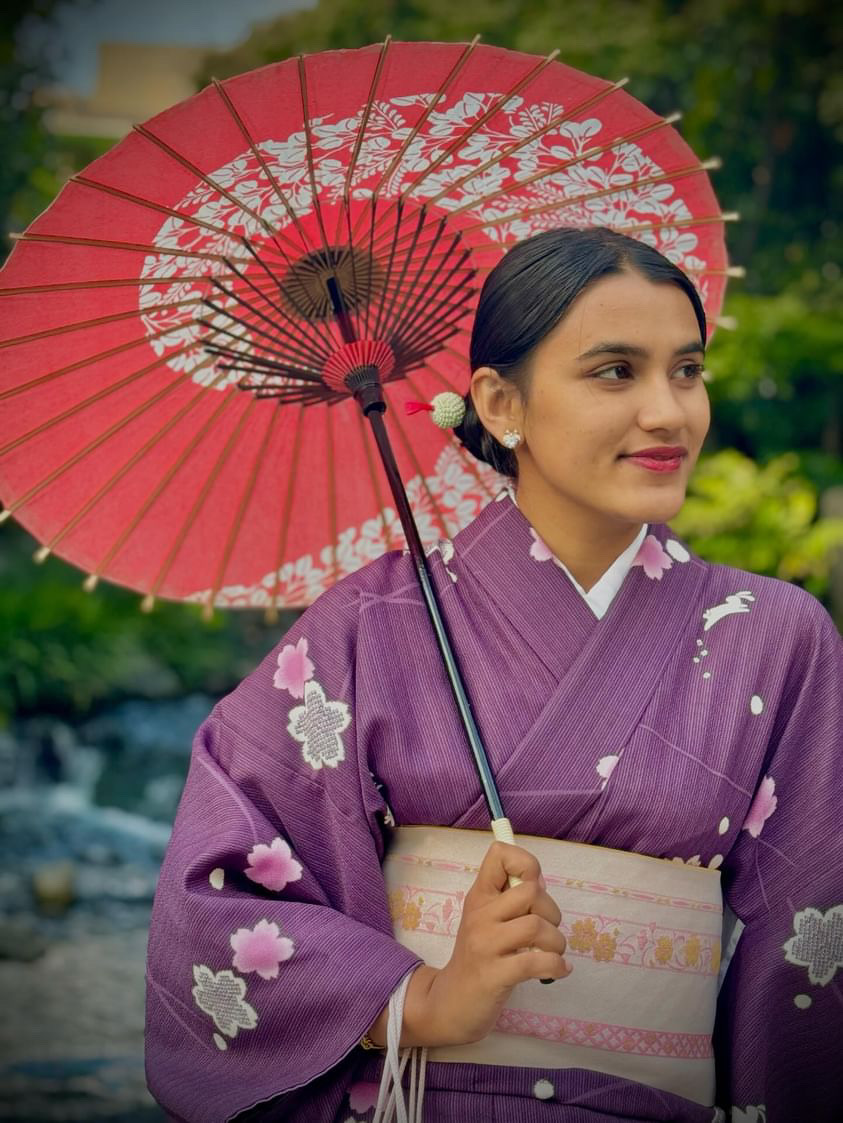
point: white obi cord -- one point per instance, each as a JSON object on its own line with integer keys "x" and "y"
{"x": 391, "y": 1105}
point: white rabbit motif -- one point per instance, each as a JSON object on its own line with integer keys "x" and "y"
{"x": 735, "y": 602}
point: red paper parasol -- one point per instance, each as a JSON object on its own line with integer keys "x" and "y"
{"x": 241, "y": 240}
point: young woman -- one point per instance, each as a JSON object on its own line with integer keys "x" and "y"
{"x": 630, "y": 696}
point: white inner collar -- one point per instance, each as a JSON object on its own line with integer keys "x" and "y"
{"x": 601, "y": 594}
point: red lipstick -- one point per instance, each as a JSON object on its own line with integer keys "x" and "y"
{"x": 663, "y": 458}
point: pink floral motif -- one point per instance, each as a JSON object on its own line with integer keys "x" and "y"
{"x": 272, "y": 866}
{"x": 539, "y": 551}
{"x": 294, "y": 669}
{"x": 362, "y": 1095}
{"x": 260, "y": 949}
{"x": 762, "y": 808}
{"x": 653, "y": 557}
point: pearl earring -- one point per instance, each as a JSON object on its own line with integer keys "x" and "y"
{"x": 511, "y": 439}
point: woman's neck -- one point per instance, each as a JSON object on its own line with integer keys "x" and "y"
{"x": 585, "y": 543}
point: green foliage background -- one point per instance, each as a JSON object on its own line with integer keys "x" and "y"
{"x": 760, "y": 85}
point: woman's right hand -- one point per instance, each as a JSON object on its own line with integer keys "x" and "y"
{"x": 506, "y": 936}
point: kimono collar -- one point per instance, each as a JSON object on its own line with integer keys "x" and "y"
{"x": 519, "y": 580}
{"x": 601, "y": 594}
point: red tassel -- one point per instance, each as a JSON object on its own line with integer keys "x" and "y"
{"x": 417, "y": 407}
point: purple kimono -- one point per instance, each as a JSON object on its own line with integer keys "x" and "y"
{"x": 699, "y": 720}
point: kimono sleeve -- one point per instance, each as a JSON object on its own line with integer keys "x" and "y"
{"x": 780, "y": 1020}
{"x": 271, "y": 949}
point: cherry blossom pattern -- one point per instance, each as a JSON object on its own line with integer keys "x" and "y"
{"x": 221, "y": 994}
{"x": 260, "y": 949}
{"x": 212, "y": 225}
{"x": 653, "y": 558}
{"x": 762, "y": 807}
{"x": 458, "y": 495}
{"x": 294, "y": 669}
{"x": 818, "y": 943}
{"x": 539, "y": 551}
{"x": 317, "y": 726}
{"x": 272, "y": 866}
{"x": 362, "y": 1095}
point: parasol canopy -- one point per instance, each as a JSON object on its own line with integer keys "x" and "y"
{"x": 268, "y": 235}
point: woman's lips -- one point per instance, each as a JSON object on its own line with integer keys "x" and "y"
{"x": 658, "y": 459}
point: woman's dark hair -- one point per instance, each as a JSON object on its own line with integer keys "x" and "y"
{"x": 527, "y": 294}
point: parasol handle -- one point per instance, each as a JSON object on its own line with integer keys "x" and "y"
{"x": 502, "y": 830}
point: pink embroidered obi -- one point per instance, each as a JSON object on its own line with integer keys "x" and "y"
{"x": 643, "y": 939}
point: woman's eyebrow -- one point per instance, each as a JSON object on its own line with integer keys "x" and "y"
{"x": 609, "y": 348}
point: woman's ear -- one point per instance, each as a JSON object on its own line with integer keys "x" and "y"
{"x": 497, "y": 401}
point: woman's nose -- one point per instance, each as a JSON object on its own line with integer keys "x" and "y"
{"x": 661, "y": 406}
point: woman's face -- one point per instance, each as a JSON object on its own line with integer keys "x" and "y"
{"x": 616, "y": 409}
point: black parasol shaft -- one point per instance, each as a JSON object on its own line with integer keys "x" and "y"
{"x": 365, "y": 385}
{"x": 375, "y": 411}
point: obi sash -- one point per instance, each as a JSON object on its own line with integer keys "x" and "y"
{"x": 643, "y": 940}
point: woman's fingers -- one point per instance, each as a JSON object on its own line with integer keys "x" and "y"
{"x": 531, "y": 932}
{"x": 528, "y": 897}
{"x": 506, "y": 935}
{"x": 532, "y": 964}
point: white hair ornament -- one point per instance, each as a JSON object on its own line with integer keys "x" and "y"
{"x": 447, "y": 409}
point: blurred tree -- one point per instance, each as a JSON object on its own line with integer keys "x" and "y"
{"x": 28, "y": 170}
{"x": 65, "y": 651}
{"x": 761, "y": 519}
{"x": 778, "y": 381}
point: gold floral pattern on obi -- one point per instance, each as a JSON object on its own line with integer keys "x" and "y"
{"x": 585, "y": 938}
{"x": 605, "y": 939}
{"x": 691, "y": 951}
{"x": 411, "y": 909}
{"x": 664, "y": 950}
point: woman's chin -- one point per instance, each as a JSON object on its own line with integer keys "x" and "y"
{"x": 660, "y": 508}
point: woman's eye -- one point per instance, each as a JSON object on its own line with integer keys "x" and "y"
{"x": 614, "y": 374}
{"x": 690, "y": 371}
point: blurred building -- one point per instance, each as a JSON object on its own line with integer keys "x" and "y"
{"x": 134, "y": 82}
